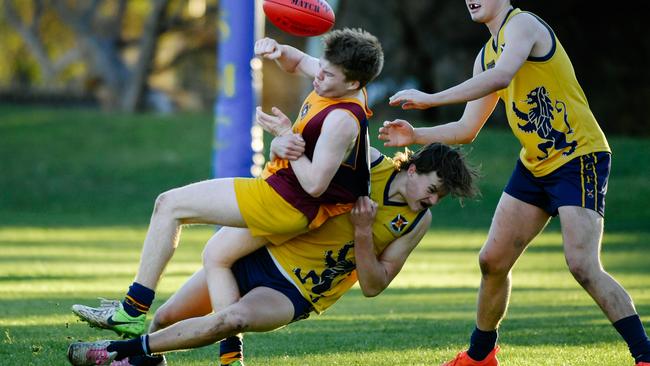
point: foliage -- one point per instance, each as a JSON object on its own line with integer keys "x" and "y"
{"x": 110, "y": 49}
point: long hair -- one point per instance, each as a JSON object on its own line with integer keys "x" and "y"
{"x": 457, "y": 175}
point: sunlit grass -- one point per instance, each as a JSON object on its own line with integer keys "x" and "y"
{"x": 423, "y": 318}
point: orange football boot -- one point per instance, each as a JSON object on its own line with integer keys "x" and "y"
{"x": 643, "y": 364}
{"x": 463, "y": 359}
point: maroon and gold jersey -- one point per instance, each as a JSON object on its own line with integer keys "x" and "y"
{"x": 351, "y": 180}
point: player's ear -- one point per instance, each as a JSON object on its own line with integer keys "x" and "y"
{"x": 412, "y": 169}
{"x": 354, "y": 85}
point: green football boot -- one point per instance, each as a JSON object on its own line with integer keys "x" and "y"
{"x": 111, "y": 315}
{"x": 236, "y": 363}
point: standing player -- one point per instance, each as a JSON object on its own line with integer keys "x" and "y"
{"x": 284, "y": 283}
{"x": 303, "y": 193}
{"x": 562, "y": 168}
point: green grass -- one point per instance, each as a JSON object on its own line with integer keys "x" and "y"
{"x": 76, "y": 189}
{"x": 425, "y": 316}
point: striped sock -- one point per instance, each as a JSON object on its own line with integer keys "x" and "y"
{"x": 231, "y": 349}
{"x": 138, "y": 300}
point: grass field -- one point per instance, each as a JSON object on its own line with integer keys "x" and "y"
{"x": 76, "y": 189}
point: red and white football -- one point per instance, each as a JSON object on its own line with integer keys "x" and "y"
{"x": 304, "y": 18}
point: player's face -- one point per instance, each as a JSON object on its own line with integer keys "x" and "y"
{"x": 482, "y": 11}
{"x": 330, "y": 81}
{"x": 423, "y": 190}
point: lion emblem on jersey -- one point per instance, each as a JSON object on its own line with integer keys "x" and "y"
{"x": 335, "y": 267}
{"x": 540, "y": 119}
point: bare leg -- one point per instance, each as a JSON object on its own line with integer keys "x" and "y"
{"x": 207, "y": 202}
{"x": 222, "y": 250}
{"x": 262, "y": 309}
{"x": 514, "y": 225}
{"x": 190, "y": 301}
{"x": 582, "y": 231}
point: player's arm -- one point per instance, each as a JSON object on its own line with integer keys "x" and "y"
{"x": 463, "y": 131}
{"x": 290, "y": 59}
{"x": 521, "y": 32}
{"x": 289, "y": 147}
{"x": 374, "y": 272}
{"x": 338, "y": 133}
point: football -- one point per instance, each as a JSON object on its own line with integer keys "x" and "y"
{"x": 304, "y": 18}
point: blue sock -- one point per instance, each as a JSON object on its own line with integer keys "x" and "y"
{"x": 138, "y": 300}
{"x": 631, "y": 329}
{"x": 481, "y": 344}
{"x": 231, "y": 349}
{"x": 133, "y": 347}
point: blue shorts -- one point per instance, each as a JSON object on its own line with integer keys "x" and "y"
{"x": 259, "y": 270}
{"x": 580, "y": 182}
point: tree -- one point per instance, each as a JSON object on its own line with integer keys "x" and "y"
{"x": 117, "y": 68}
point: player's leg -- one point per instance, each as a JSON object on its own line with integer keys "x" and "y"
{"x": 223, "y": 249}
{"x": 578, "y": 192}
{"x": 190, "y": 301}
{"x": 262, "y": 309}
{"x": 582, "y": 231}
{"x": 208, "y": 202}
{"x": 514, "y": 225}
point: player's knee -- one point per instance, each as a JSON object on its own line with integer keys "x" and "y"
{"x": 163, "y": 205}
{"x": 492, "y": 265}
{"x": 215, "y": 255}
{"x": 162, "y": 318}
{"x": 231, "y": 321}
{"x": 582, "y": 271}
{"x": 238, "y": 321}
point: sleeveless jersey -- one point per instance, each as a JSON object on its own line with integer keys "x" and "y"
{"x": 352, "y": 178}
{"x": 546, "y": 107}
{"x": 321, "y": 262}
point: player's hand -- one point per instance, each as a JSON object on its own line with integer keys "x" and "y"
{"x": 289, "y": 147}
{"x": 277, "y": 124}
{"x": 411, "y": 99}
{"x": 363, "y": 213}
{"x": 268, "y": 48}
{"x": 397, "y": 133}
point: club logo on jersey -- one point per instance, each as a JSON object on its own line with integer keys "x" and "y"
{"x": 398, "y": 223}
{"x": 305, "y": 109}
{"x": 334, "y": 268}
{"x": 540, "y": 119}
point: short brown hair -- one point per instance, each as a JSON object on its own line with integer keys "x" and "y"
{"x": 357, "y": 52}
{"x": 457, "y": 175}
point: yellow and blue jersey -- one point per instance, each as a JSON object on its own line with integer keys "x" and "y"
{"x": 546, "y": 107}
{"x": 321, "y": 262}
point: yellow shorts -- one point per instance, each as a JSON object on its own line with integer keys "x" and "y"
{"x": 266, "y": 213}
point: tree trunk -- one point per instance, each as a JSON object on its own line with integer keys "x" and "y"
{"x": 135, "y": 88}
